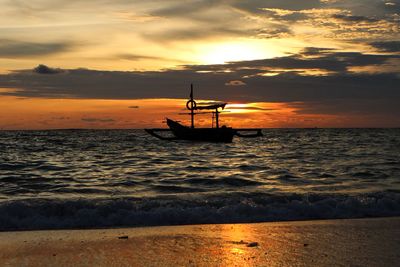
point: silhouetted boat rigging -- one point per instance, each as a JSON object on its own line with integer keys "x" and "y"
{"x": 213, "y": 134}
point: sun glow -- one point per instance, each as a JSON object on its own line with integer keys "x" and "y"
{"x": 235, "y": 51}
{"x": 239, "y": 108}
{"x": 251, "y": 107}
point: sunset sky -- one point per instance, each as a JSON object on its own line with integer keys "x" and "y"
{"x": 129, "y": 63}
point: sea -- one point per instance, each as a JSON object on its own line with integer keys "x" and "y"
{"x": 70, "y": 179}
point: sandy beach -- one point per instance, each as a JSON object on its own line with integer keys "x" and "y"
{"x": 356, "y": 242}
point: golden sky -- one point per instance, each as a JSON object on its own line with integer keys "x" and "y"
{"x": 315, "y": 63}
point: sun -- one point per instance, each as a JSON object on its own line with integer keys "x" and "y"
{"x": 221, "y": 53}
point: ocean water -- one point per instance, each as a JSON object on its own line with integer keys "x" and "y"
{"x": 112, "y": 178}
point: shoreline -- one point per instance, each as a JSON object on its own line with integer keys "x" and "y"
{"x": 198, "y": 224}
{"x": 363, "y": 242}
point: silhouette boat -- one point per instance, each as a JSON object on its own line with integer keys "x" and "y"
{"x": 214, "y": 134}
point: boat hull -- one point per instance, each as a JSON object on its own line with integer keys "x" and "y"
{"x": 223, "y": 134}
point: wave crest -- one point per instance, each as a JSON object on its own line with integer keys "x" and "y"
{"x": 229, "y": 208}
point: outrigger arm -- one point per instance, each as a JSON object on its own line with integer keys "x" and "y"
{"x": 154, "y": 130}
{"x": 257, "y": 134}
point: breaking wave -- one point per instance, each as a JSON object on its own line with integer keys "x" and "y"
{"x": 29, "y": 214}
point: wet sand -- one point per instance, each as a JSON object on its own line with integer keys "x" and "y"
{"x": 358, "y": 242}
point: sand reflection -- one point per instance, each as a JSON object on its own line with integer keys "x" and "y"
{"x": 241, "y": 246}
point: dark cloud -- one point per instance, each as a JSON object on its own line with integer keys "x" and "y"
{"x": 43, "y": 69}
{"x": 235, "y": 83}
{"x": 19, "y": 49}
{"x": 368, "y": 8}
{"x": 133, "y": 107}
{"x": 311, "y": 58}
{"x": 387, "y": 46}
{"x": 282, "y": 79}
{"x": 316, "y": 51}
{"x": 354, "y": 19}
{"x": 257, "y": 6}
{"x": 209, "y": 103}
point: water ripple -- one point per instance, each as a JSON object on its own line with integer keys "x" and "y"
{"x": 92, "y": 164}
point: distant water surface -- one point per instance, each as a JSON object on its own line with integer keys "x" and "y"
{"x": 107, "y": 178}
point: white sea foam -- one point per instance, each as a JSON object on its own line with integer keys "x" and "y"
{"x": 228, "y": 208}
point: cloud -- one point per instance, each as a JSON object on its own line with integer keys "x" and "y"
{"x": 179, "y": 9}
{"x": 316, "y": 77}
{"x": 133, "y": 107}
{"x": 135, "y": 57}
{"x": 311, "y": 58}
{"x": 354, "y": 19}
{"x": 235, "y": 83}
{"x": 249, "y": 108}
{"x": 256, "y": 6}
{"x": 91, "y": 120}
{"x": 43, "y": 69}
{"x": 198, "y": 32}
{"x": 20, "y": 49}
{"x": 368, "y": 8}
{"x": 336, "y": 20}
{"x": 390, "y": 3}
{"x": 169, "y": 21}
{"x": 387, "y": 46}
{"x": 286, "y": 15}
{"x": 274, "y": 31}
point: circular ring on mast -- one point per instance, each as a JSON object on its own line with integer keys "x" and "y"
{"x": 191, "y": 104}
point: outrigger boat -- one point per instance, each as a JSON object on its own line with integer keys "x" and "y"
{"x": 213, "y": 134}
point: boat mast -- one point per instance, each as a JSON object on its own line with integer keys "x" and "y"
{"x": 192, "y": 103}
{"x": 216, "y": 118}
